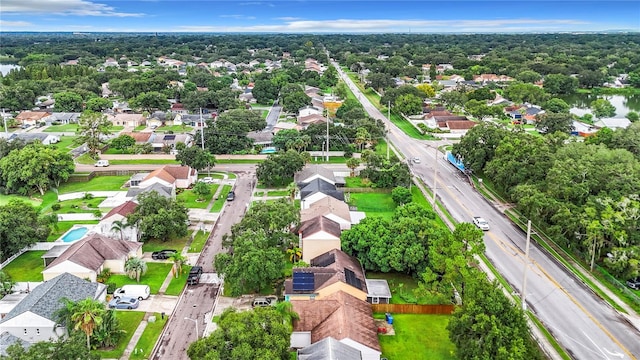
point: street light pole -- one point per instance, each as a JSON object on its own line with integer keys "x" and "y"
{"x": 388, "y": 127}
{"x": 195, "y": 321}
{"x": 327, "y": 135}
{"x": 526, "y": 262}
{"x": 435, "y": 179}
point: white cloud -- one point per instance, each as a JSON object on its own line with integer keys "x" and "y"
{"x": 238, "y": 17}
{"x": 288, "y": 18}
{"x": 386, "y": 25}
{"x": 4, "y": 23}
{"x": 62, "y": 7}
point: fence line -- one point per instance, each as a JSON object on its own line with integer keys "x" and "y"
{"x": 12, "y": 257}
{"x": 364, "y": 190}
{"x": 413, "y": 309}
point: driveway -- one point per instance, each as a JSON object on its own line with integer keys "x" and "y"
{"x": 158, "y": 303}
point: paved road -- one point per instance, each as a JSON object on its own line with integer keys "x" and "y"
{"x": 273, "y": 116}
{"x": 586, "y": 326}
{"x": 198, "y": 300}
{"x": 222, "y": 167}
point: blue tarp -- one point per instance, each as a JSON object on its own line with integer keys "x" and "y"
{"x": 455, "y": 161}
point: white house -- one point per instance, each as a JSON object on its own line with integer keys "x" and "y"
{"x": 176, "y": 176}
{"x": 312, "y": 172}
{"x": 309, "y": 110}
{"x": 332, "y": 209}
{"x": 119, "y": 213}
{"x": 34, "y": 318}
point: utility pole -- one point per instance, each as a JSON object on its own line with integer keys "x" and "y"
{"x": 202, "y": 138}
{"x": 388, "y": 127}
{"x": 435, "y": 179}
{"x": 526, "y": 263}
{"x": 327, "y": 135}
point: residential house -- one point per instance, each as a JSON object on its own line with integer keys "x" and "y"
{"x": 313, "y": 65}
{"x": 487, "y": 78}
{"x": 318, "y": 189}
{"x": 340, "y": 316}
{"x": 311, "y": 91}
{"x": 329, "y": 208}
{"x": 62, "y": 118}
{"x": 34, "y": 319}
{"x": 111, "y": 62}
{"x": 309, "y": 110}
{"x": 159, "y": 141}
{"x": 286, "y": 126}
{"x": 329, "y": 349}
{"x": 87, "y": 257}
{"x": 31, "y": 117}
{"x": 317, "y": 236}
{"x": 44, "y": 138}
{"x": 247, "y": 96}
{"x": 262, "y": 138}
{"x": 329, "y": 273}
{"x": 6, "y": 340}
{"x": 306, "y": 121}
{"x": 168, "y": 192}
{"x": 139, "y": 137}
{"x": 178, "y": 108}
{"x": 127, "y": 120}
{"x": 119, "y": 213}
{"x": 613, "y": 123}
{"x": 157, "y": 119}
{"x": 176, "y": 176}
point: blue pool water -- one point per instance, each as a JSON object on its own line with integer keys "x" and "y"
{"x": 74, "y": 234}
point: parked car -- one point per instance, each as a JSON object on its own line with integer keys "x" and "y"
{"x": 102, "y": 163}
{"x": 231, "y": 196}
{"x": 264, "y": 301}
{"x": 481, "y": 223}
{"x": 207, "y": 180}
{"x": 141, "y": 292}
{"x": 163, "y": 254}
{"x": 194, "y": 275}
{"x": 124, "y": 303}
{"x": 634, "y": 283}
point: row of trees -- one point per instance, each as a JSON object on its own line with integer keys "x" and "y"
{"x": 583, "y": 193}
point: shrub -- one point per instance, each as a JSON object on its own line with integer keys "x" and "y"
{"x": 87, "y": 196}
{"x": 111, "y": 287}
{"x": 55, "y": 207}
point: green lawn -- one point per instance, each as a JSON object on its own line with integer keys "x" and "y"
{"x": 177, "y": 284}
{"x": 198, "y": 242}
{"x": 66, "y": 143}
{"x": 26, "y": 267}
{"x": 332, "y": 160}
{"x": 222, "y": 198}
{"x": 129, "y": 321}
{"x": 140, "y": 127}
{"x": 374, "y": 204}
{"x": 115, "y": 129}
{"x": 85, "y": 159}
{"x": 408, "y": 128}
{"x": 62, "y": 128}
{"x": 191, "y": 199}
{"x": 64, "y": 226}
{"x": 156, "y": 273}
{"x": 238, "y": 161}
{"x": 4, "y": 199}
{"x": 175, "y": 128}
{"x": 401, "y": 285}
{"x": 149, "y": 337}
{"x": 264, "y": 114}
{"x": 418, "y": 337}
{"x": 143, "y": 161}
{"x": 381, "y": 149}
{"x": 157, "y": 245}
{"x": 278, "y": 193}
{"x": 98, "y": 183}
{"x": 76, "y": 206}
{"x": 357, "y": 182}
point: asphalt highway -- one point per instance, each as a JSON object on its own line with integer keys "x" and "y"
{"x": 586, "y": 326}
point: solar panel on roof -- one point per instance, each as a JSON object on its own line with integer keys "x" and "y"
{"x": 351, "y": 279}
{"x": 303, "y": 281}
{"x": 324, "y": 260}
{"x": 169, "y": 137}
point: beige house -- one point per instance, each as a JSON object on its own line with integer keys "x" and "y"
{"x": 317, "y": 236}
{"x": 128, "y": 120}
{"x": 31, "y": 117}
{"x": 87, "y": 257}
{"x": 340, "y": 316}
{"x": 330, "y": 208}
{"x": 175, "y": 176}
{"x": 329, "y": 273}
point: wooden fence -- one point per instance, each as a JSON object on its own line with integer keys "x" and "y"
{"x": 413, "y": 309}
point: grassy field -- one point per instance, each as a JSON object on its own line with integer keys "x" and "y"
{"x": 332, "y": 160}
{"x": 278, "y": 193}
{"x": 374, "y": 204}
{"x": 198, "y": 242}
{"x": 76, "y": 206}
{"x": 85, "y": 159}
{"x": 177, "y": 284}
{"x": 357, "y": 182}
{"x": 64, "y": 226}
{"x": 66, "y": 143}
{"x": 34, "y": 201}
{"x": 143, "y": 161}
{"x": 62, "y": 128}
{"x": 157, "y": 245}
{"x": 418, "y": 337}
{"x": 149, "y": 337}
{"x": 175, "y": 128}
{"x": 156, "y": 273}
{"x": 213, "y": 175}
{"x": 191, "y": 199}
{"x": 26, "y": 267}
{"x": 140, "y": 128}
{"x": 129, "y": 321}
{"x": 217, "y": 206}
{"x": 98, "y": 183}
{"x": 399, "y": 284}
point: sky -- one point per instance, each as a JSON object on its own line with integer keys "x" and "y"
{"x": 328, "y": 16}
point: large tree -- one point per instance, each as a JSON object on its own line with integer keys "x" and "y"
{"x": 68, "y": 101}
{"x": 551, "y": 122}
{"x": 228, "y": 134}
{"x": 195, "y": 157}
{"x": 93, "y": 128}
{"x": 602, "y": 108}
{"x": 150, "y": 101}
{"x": 98, "y": 104}
{"x": 261, "y": 333}
{"x": 158, "y": 217}
{"x": 478, "y": 146}
{"x": 20, "y": 227}
{"x": 123, "y": 142}
{"x": 278, "y": 169}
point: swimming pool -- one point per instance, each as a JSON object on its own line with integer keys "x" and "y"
{"x": 74, "y": 234}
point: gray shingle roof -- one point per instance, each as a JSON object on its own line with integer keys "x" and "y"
{"x": 162, "y": 190}
{"x": 319, "y": 185}
{"x": 303, "y": 176}
{"x": 329, "y": 349}
{"x": 92, "y": 251}
{"x": 7, "y": 340}
{"x": 44, "y": 300}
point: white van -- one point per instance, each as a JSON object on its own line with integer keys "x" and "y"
{"x": 102, "y": 163}
{"x": 141, "y": 292}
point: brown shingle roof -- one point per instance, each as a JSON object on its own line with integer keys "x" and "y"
{"x": 162, "y": 174}
{"x": 32, "y": 115}
{"x": 340, "y": 316}
{"x": 124, "y": 209}
{"x": 92, "y": 251}
{"x": 330, "y": 268}
{"x": 140, "y": 137}
{"x": 170, "y": 173}
{"x": 461, "y": 125}
{"x": 317, "y": 224}
{"x": 324, "y": 207}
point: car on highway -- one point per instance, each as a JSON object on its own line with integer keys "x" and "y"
{"x": 207, "y": 180}
{"x": 194, "y": 275}
{"x": 163, "y": 254}
{"x": 634, "y": 283}
{"x": 481, "y": 223}
{"x": 231, "y": 196}
{"x": 124, "y": 303}
{"x": 416, "y": 160}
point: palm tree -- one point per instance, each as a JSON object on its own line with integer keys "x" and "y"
{"x": 178, "y": 260}
{"x": 353, "y": 163}
{"x": 119, "y": 226}
{"x": 87, "y": 315}
{"x": 135, "y": 267}
{"x": 295, "y": 253}
{"x": 286, "y": 310}
{"x": 292, "y": 189}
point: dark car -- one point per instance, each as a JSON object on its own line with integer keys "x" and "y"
{"x": 634, "y": 283}
{"x": 231, "y": 196}
{"x": 194, "y": 275}
{"x": 163, "y": 254}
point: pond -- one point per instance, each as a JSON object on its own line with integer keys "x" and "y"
{"x": 5, "y": 68}
{"x": 624, "y": 103}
